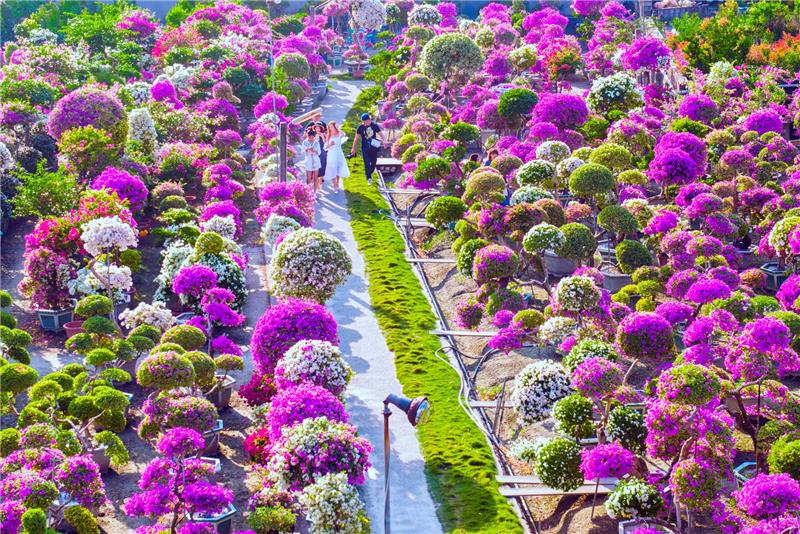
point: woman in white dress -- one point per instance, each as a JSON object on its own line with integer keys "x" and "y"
{"x": 311, "y": 152}
{"x": 336, "y": 167}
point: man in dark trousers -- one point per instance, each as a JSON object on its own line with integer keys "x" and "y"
{"x": 371, "y": 137}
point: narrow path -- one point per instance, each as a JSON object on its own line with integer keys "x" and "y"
{"x": 412, "y": 508}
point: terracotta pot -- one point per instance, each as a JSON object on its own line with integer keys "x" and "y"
{"x": 73, "y": 328}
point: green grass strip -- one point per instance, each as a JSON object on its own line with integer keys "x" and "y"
{"x": 459, "y": 465}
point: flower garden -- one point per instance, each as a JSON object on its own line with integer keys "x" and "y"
{"x": 583, "y": 248}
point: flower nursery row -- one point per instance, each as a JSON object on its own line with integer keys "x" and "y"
{"x": 632, "y": 243}
{"x": 121, "y": 141}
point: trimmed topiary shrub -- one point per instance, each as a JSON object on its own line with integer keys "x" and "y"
{"x": 516, "y": 103}
{"x": 536, "y": 172}
{"x": 484, "y": 185}
{"x": 591, "y": 179}
{"x": 445, "y": 210}
{"x": 613, "y": 156}
{"x": 81, "y": 519}
{"x": 432, "y": 169}
{"x": 573, "y": 415}
{"x": 558, "y": 464}
{"x": 579, "y": 242}
{"x": 617, "y": 220}
{"x": 631, "y": 255}
{"x": 466, "y": 255}
{"x": 187, "y": 336}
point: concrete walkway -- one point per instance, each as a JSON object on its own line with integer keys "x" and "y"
{"x": 412, "y": 508}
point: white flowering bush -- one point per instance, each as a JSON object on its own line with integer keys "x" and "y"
{"x": 229, "y": 275}
{"x": 368, "y": 14}
{"x": 140, "y": 93}
{"x": 617, "y": 91}
{"x": 537, "y": 387}
{"x": 314, "y": 361}
{"x": 543, "y": 236}
{"x": 309, "y": 264}
{"x": 450, "y": 56}
{"x": 556, "y": 329}
{"x": 142, "y": 129}
{"x": 155, "y": 314}
{"x": 553, "y": 151}
{"x": 276, "y": 226}
{"x": 529, "y": 194}
{"x": 6, "y": 159}
{"x": 424, "y": 15}
{"x": 224, "y": 226}
{"x": 634, "y": 498}
{"x": 577, "y": 293}
{"x": 779, "y": 235}
{"x": 525, "y": 449}
{"x": 106, "y": 277}
{"x": 565, "y": 167}
{"x": 332, "y": 506}
{"x": 105, "y": 234}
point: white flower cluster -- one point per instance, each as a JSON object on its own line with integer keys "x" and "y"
{"x": 368, "y": 14}
{"x": 631, "y": 497}
{"x": 224, "y": 226}
{"x": 277, "y": 225}
{"x": 332, "y": 506}
{"x": 319, "y": 362}
{"x": 424, "y": 15}
{"x": 40, "y": 36}
{"x": 309, "y": 264}
{"x": 779, "y": 235}
{"x": 556, "y": 329}
{"x": 537, "y": 388}
{"x": 105, "y": 234}
{"x": 617, "y": 91}
{"x": 88, "y": 283}
{"x": 179, "y": 75}
{"x": 544, "y": 236}
{"x": 528, "y": 194}
{"x": 142, "y": 129}
{"x": 6, "y": 159}
{"x": 156, "y": 315}
{"x": 140, "y": 93}
{"x": 266, "y": 169}
{"x": 565, "y": 167}
{"x": 553, "y": 151}
{"x": 577, "y": 293}
{"x": 525, "y": 449}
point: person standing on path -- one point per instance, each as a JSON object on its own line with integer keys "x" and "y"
{"x": 371, "y": 137}
{"x": 337, "y": 164}
{"x": 311, "y": 153}
{"x": 322, "y": 131}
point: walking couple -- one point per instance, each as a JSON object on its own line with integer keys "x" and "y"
{"x": 324, "y": 157}
{"x": 371, "y": 137}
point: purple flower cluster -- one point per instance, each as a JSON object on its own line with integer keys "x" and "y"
{"x": 194, "y": 281}
{"x": 125, "y": 185}
{"x": 304, "y": 401}
{"x": 609, "y": 460}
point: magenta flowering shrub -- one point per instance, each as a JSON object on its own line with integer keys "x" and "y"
{"x": 304, "y": 401}
{"x": 645, "y": 335}
{"x": 177, "y": 485}
{"x": 563, "y": 110}
{"x": 768, "y": 496}
{"x": 168, "y": 412}
{"x": 88, "y": 107}
{"x": 764, "y": 121}
{"x": 597, "y": 377}
{"x": 284, "y": 324}
{"x": 125, "y": 185}
{"x": 645, "y": 53}
{"x": 609, "y": 460}
{"x": 193, "y": 281}
{"x": 494, "y": 262}
{"x": 223, "y": 114}
{"x": 698, "y": 107}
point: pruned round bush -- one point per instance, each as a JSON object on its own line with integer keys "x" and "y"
{"x": 466, "y": 255}
{"x": 632, "y": 177}
{"x": 484, "y": 185}
{"x": 410, "y": 154}
{"x": 573, "y": 415}
{"x": 432, "y": 169}
{"x": 293, "y": 64}
{"x": 579, "y": 242}
{"x": 506, "y": 164}
{"x": 617, "y": 220}
{"x": 88, "y": 106}
{"x": 9, "y": 441}
{"x": 784, "y": 456}
{"x": 591, "y": 179}
{"x": 537, "y": 387}
{"x": 529, "y": 319}
{"x": 553, "y": 210}
{"x": 494, "y": 262}
{"x": 645, "y": 335}
{"x": 166, "y": 370}
{"x": 450, "y": 56}
{"x": 309, "y": 264}
{"x": 613, "y": 156}
{"x": 576, "y": 294}
{"x": 558, "y": 464}
{"x": 445, "y": 210}
{"x": 81, "y": 519}
{"x": 187, "y": 336}
{"x": 99, "y": 325}
{"x": 589, "y": 348}
{"x": 516, "y": 102}
{"x": 542, "y": 237}
{"x": 92, "y": 305}
{"x": 17, "y": 377}
{"x": 209, "y": 243}
{"x": 148, "y": 331}
{"x": 535, "y": 172}
{"x": 528, "y": 194}
{"x": 461, "y": 132}
{"x": 631, "y": 255}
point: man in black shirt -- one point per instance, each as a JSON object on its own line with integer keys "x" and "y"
{"x": 371, "y": 137}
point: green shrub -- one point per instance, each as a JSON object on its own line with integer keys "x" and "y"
{"x": 484, "y": 185}
{"x": 173, "y": 202}
{"x": 626, "y": 426}
{"x": 115, "y": 448}
{"x": 644, "y": 273}
{"x": 466, "y": 256}
{"x": 631, "y": 255}
{"x": 536, "y": 172}
{"x": 553, "y": 210}
{"x": 271, "y": 520}
{"x": 410, "y": 154}
{"x": 558, "y": 464}
{"x": 44, "y": 194}
{"x": 81, "y": 519}
{"x": 34, "y": 521}
{"x": 684, "y": 124}
{"x": 617, "y": 220}
{"x": 9, "y": 441}
{"x": 506, "y": 164}
{"x": 17, "y": 377}
{"x": 187, "y": 336}
{"x": 591, "y": 179}
{"x": 632, "y": 177}
{"x": 784, "y": 457}
{"x": 445, "y": 210}
{"x": 432, "y": 169}
{"x": 93, "y": 305}
{"x": 595, "y": 128}
{"x": 99, "y": 325}
{"x": 167, "y": 347}
{"x": 461, "y": 132}
{"x": 132, "y": 259}
{"x": 147, "y": 331}
{"x": 516, "y": 102}
{"x": 589, "y": 348}
{"x": 579, "y": 242}
{"x": 529, "y": 319}
{"x": 204, "y": 367}
{"x": 293, "y": 64}
{"x": 573, "y": 415}
{"x": 613, "y": 156}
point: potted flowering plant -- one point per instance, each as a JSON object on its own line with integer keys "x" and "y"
{"x": 46, "y": 275}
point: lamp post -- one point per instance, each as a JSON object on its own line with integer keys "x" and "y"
{"x": 418, "y": 411}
